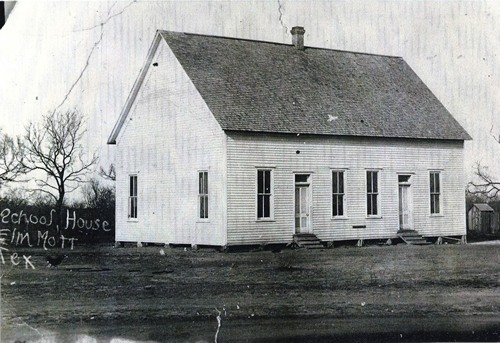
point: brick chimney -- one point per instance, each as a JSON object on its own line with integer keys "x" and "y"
{"x": 298, "y": 37}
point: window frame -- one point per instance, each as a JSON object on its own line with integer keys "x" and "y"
{"x": 377, "y": 193}
{"x": 270, "y": 194}
{"x": 203, "y": 195}
{"x": 435, "y": 194}
{"x": 131, "y": 197}
{"x": 334, "y": 194}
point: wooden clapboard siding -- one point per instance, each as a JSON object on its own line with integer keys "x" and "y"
{"x": 318, "y": 156}
{"x": 168, "y": 136}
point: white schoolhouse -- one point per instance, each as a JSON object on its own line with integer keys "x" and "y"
{"x": 227, "y": 141}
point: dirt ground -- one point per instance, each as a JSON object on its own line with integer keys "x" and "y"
{"x": 154, "y": 294}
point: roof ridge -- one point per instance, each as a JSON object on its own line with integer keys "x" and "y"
{"x": 279, "y": 43}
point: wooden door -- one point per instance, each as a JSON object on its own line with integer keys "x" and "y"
{"x": 302, "y": 209}
{"x": 405, "y": 207}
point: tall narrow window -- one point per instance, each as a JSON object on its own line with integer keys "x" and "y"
{"x": 372, "y": 193}
{"x": 132, "y": 197}
{"x": 338, "y": 193}
{"x": 203, "y": 194}
{"x": 435, "y": 192}
{"x": 264, "y": 194}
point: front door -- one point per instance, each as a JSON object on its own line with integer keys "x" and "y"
{"x": 405, "y": 203}
{"x": 302, "y": 204}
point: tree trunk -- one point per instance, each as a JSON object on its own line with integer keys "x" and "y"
{"x": 59, "y": 208}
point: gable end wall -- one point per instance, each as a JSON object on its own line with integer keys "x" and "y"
{"x": 168, "y": 136}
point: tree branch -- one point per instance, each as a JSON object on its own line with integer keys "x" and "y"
{"x": 487, "y": 186}
{"x": 110, "y": 174}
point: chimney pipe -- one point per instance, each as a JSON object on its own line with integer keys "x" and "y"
{"x": 298, "y": 37}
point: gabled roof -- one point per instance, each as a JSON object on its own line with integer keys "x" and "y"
{"x": 484, "y": 207}
{"x": 267, "y": 87}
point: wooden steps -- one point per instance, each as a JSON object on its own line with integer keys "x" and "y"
{"x": 412, "y": 237}
{"x": 308, "y": 241}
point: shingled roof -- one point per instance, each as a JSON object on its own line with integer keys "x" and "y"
{"x": 259, "y": 86}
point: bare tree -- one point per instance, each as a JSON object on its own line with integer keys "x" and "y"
{"x": 53, "y": 151}
{"x": 11, "y": 157}
{"x": 110, "y": 174}
{"x": 486, "y": 186}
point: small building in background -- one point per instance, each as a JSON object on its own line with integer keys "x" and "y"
{"x": 482, "y": 220}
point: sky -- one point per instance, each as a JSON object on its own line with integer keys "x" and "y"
{"x": 87, "y": 55}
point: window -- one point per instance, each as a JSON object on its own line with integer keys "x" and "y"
{"x": 338, "y": 193}
{"x": 203, "y": 194}
{"x": 372, "y": 193}
{"x": 404, "y": 178}
{"x": 302, "y": 178}
{"x": 132, "y": 198}
{"x": 435, "y": 192}
{"x": 264, "y": 194}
